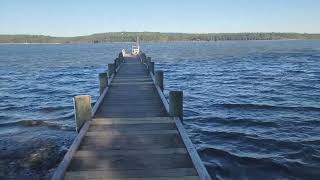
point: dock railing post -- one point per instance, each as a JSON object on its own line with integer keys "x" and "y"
{"x": 120, "y": 56}
{"x": 119, "y": 61}
{"x": 116, "y": 63}
{"x": 82, "y": 110}
{"x": 110, "y": 70}
{"x": 151, "y": 68}
{"x": 115, "y": 69}
{"x": 176, "y": 104}
{"x": 103, "y": 81}
{"x": 148, "y": 60}
{"x": 159, "y": 79}
{"x": 143, "y": 57}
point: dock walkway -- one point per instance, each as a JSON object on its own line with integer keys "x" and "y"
{"x": 131, "y": 134}
{"x": 132, "y": 93}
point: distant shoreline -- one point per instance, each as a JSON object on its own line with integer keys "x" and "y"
{"x": 36, "y": 43}
{"x": 31, "y": 43}
{"x": 153, "y": 37}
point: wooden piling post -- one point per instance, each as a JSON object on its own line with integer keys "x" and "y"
{"x": 159, "y": 79}
{"x": 115, "y": 69}
{"x": 110, "y": 70}
{"x": 120, "y": 56}
{"x": 103, "y": 81}
{"x": 116, "y": 63}
{"x": 151, "y": 67}
{"x": 82, "y": 110}
{"x": 176, "y": 104}
{"x": 143, "y": 57}
{"x": 147, "y": 61}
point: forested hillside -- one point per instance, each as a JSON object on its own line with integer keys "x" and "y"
{"x": 153, "y": 36}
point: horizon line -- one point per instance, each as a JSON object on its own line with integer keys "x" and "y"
{"x": 168, "y": 32}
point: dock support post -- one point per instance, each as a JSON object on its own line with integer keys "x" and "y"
{"x": 116, "y": 63}
{"x": 151, "y": 67}
{"x": 110, "y": 70}
{"x": 120, "y": 56}
{"x": 143, "y": 57}
{"x": 147, "y": 61}
{"x": 159, "y": 79}
{"x": 176, "y": 104}
{"x": 103, "y": 81}
{"x": 82, "y": 110}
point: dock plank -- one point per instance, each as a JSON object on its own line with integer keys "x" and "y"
{"x": 130, "y": 162}
{"x": 142, "y": 120}
{"x": 84, "y": 153}
{"x": 106, "y": 134}
{"x": 132, "y": 142}
{"x": 168, "y": 173}
{"x": 130, "y": 127}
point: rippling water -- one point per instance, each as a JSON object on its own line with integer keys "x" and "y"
{"x": 252, "y": 108}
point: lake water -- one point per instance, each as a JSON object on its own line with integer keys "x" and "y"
{"x": 252, "y": 108}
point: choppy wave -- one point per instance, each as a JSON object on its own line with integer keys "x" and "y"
{"x": 259, "y": 141}
{"x": 234, "y": 121}
{"x": 267, "y": 107}
{"x": 275, "y": 166}
{"x": 54, "y": 108}
{"x": 33, "y": 123}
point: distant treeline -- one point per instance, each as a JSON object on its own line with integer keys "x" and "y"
{"x": 153, "y": 36}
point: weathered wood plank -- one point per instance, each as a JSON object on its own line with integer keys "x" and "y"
{"x": 130, "y": 132}
{"x": 140, "y": 79}
{"x": 131, "y": 113}
{"x": 117, "y": 142}
{"x": 136, "y": 106}
{"x": 128, "y": 127}
{"x": 155, "y": 173}
{"x": 147, "y": 178}
{"x": 84, "y": 153}
{"x": 126, "y": 162}
{"x": 132, "y": 83}
{"x": 142, "y": 120}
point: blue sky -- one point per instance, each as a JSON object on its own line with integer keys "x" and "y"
{"x": 80, "y": 17}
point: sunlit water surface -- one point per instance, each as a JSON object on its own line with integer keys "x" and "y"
{"x": 252, "y": 108}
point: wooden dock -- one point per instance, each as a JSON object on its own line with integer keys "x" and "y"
{"x": 131, "y": 132}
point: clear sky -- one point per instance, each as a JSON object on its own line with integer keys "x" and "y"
{"x": 82, "y": 17}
